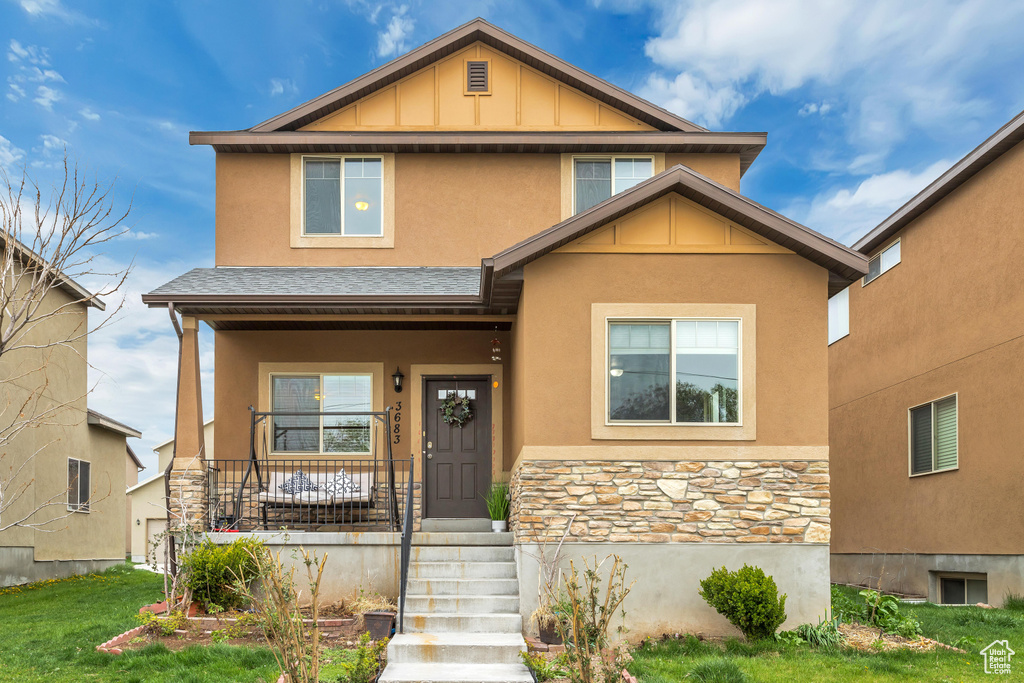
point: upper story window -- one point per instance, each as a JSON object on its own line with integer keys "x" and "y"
{"x": 839, "y": 316}
{"x": 79, "y": 484}
{"x": 316, "y": 394}
{"x": 596, "y": 179}
{"x": 343, "y": 196}
{"x": 882, "y": 261}
{"x": 674, "y": 371}
{"x": 933, "y": 436}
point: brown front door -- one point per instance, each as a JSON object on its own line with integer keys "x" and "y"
{"x": 458, "y": 459}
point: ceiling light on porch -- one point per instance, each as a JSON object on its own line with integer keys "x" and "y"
{"x": 362, "y": 206}
{"x": 495, "y": 349}
{"x": 616, "y": 372}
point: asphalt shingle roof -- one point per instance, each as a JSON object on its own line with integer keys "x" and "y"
{"x": 341, "y": 281}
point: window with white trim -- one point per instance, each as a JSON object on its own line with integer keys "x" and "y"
{"x": 79, "y": 484}
{"x": 315, "y": 397}
{"x": 933, "y": 436}
{"x": 882, "y": 261}
{"x": 343, "y": 196}
{"x": 839, "y": 316}
{"x": 596, "y": 179}
{"x": 677, "y": 371}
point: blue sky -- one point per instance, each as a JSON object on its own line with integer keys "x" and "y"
{"x": 864, "y": 102}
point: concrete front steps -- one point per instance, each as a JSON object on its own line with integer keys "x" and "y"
{"x": 462, "y": 620}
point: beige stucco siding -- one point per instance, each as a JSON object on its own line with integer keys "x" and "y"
{"x": 948, "y": 319}
{"x": 450, "y": 209}
{"x": 554, "y": 341}
{"x": 238, "y": 378}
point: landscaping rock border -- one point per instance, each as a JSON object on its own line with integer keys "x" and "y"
{"x": 111, "y": 646}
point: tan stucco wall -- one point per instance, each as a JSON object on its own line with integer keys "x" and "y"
{"x": 948, "y": 319}
{"x": 131, "y": 478}
{"x": 63, "y": 375}
{"x": 239, "y": 354}
{"x": 450, "y": 209}
{"x": 554, "y": 344}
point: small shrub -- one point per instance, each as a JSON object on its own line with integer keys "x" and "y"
{"x": 368, "y": 660}
{"x": 163, "y": 626}
{"x": 542, "y": 668}
{"x": 748, "y": 598}
{"x": 497, "y": 501}
{"x": 212, "y": 571}
{"x": 717, "y": 671}
{"x": 883, "y": 611}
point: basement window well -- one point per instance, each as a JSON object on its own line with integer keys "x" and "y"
{"x": 963, "y": 590}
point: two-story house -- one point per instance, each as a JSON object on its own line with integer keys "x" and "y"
{"x": 63, "y": 466}
{"x": 479, "y": 226}
{"x": 926, "y": 358}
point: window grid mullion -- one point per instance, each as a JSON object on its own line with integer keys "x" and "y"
{"x": 320, "y": 446}
{"x": 935, "y": 438}
{"x": 671, "y": 371}
{"x": 341, "y": 198}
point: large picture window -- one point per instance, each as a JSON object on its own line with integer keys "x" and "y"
{"x": 79, "y": 484}
{"x": 680, "y": 371}
{"x": 933, "y": 437}
{"x": 596, "y": 179}
{"x": 343, "y": 196}
{"x": 314, "y": 397}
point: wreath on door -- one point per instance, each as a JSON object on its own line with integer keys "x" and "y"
{"x": 452, "y": 403}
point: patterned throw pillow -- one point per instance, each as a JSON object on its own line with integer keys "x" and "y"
{"x": 341, "y": 486}
{"x": 297, "y": 483}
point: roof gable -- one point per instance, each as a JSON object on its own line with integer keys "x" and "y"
{"x": 1002, "y": 141}
{"x": 841, "y": 261}
{"x": 518, "y": 97}
{"x": 497, "y": 41}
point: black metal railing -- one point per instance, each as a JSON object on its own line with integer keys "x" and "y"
{"x": 407, "y": 527}
{"x": 292, "y": 490}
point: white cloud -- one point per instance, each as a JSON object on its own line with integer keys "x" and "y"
{"x": 134, "y": 359}
{"x": 45, "y": 9}
{"x": 33, "y": 54}
{"x": 10, "y": 156}
{"x": 893, "y": 66}
{"x": 32, "y": 64}
{"x": 392, "y": 40}
{"x": 138, "y": 235}
{"x": 88, "y": 114}
{"x": 846, "y": 214}
{"x": 693, "y": 98}
{"x": 280, "y": 86}
{"x": 810, "y": 108}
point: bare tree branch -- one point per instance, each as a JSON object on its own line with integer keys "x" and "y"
{"x": 49, "y": 240}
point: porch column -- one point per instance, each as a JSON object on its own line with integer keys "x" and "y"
{"x": 188, "y": 473}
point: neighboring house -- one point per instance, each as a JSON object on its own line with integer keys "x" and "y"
{"x": 71, "y": 465}
{"x": 147, "y": 500}
{"x": 642, "y": 346}
{"x": 926, "y": 367}
{"x": 131, "y": 477}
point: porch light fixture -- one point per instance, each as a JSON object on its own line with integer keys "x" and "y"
{"x": 616, "y": 372}
{"x": 362, "y": 206}
{"x": 495, "y": 348}
{"x": 398, "y": 377}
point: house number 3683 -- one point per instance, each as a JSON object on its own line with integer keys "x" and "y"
{"x": 396, "y": 430}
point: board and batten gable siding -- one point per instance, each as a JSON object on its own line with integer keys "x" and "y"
{"x": 948, "y": 319}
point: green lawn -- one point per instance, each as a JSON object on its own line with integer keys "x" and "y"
{"x": 971, "y": 628}
{"x": 50, "y": 634}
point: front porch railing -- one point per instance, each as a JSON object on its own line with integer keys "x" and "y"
{"x": 315, "y": 492}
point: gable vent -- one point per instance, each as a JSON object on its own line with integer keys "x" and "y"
{"x": 476, "y": 77}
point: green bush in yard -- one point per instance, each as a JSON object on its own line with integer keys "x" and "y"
{"x": 211, "y": 571}
{"x": 748, "y": 598}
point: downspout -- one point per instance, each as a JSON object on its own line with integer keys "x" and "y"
{"x": 174, "y": 449}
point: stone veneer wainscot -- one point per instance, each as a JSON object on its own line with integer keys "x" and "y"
{"x": 672, "y": 502}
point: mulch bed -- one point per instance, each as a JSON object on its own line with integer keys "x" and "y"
{"x": 336, "y": 631}
{"x": 864, "y": 638}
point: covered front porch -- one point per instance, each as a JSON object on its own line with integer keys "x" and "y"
{"x": 330, "y": 409}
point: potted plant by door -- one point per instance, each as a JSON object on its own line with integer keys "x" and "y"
{"x": 497, "y": 505}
